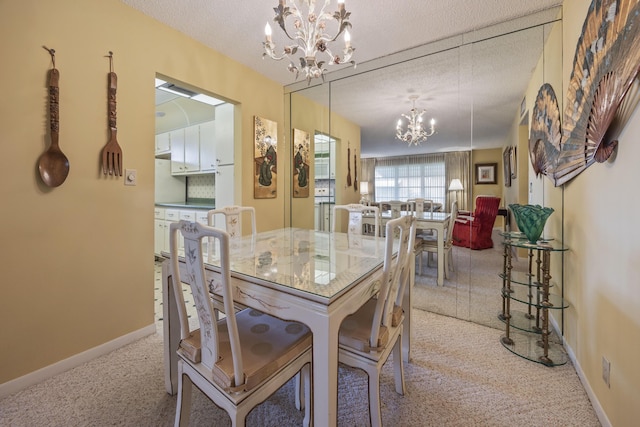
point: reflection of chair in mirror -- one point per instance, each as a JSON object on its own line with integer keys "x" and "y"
{"x": 419, "y": 206}
{"x": 238, "y": 361}
{"x": 474, "y": 230}
{"x": 368, "y": 336}
{"x": 429, "y": 244}
{"x": 397, "y": 206}
{"x": 356, "y": 213}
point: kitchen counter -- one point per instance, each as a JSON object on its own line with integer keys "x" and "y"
{"x": 177, "y": 205}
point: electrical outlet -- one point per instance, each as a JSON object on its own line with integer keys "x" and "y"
{"x": 606, "y": 371}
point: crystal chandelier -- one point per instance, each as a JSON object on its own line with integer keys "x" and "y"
{"x": 414, "y": 134}
{"x": 310, "y": 36}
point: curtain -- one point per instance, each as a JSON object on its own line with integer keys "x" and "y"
{"x": 402, "y": 178}
{"x": 458, "y": 165}
{"x": 367, "y": 174}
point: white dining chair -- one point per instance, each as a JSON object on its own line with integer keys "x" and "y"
{"x": 356, "y": 213}
{"x": 238, "y": 361}
{"x": 430, "y": 245}
{"x": 418, "y": 207}
{"x": 233, "y": 216}
{"x": 368, "y": 336}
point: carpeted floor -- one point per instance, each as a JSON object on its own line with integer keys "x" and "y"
{"x": 472, "y": 291}
{"x": 459, "y": 375}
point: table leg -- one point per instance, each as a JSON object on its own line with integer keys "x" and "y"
{"x": 406, "y": 306}
{"x": 325, "y": 371}
{"x": 441, "y": 256}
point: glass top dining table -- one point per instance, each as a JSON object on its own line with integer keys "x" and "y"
{"x": 316, "y": 265}
{"x": 314, "y": 277}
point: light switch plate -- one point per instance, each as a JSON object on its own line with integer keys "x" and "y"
{"x": 130, "y": 177}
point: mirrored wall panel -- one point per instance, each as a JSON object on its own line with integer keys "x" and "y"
{"x": 472, "y": 95}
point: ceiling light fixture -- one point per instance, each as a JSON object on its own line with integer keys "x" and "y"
{"x": 177, "y": 90}
{"x": 414, "y": 134}
{"x": 310, "y": 36}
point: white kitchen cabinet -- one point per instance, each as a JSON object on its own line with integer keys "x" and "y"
{"x": 159, "y": 231}
{"x": 172, "y": 215}
{"x": 185, "y": 150}
{"x": 325, "y": 158}
{"x": 188, "y": 215}
{"x": 164, "y": 217}
{"x": 208, "y": 149}
{"x": 224, "y": 186}
{"x": 224, "y": 135}
{"x": 163, "y": 143}
{"x": 177, "y": 151}
{"x": 201, "y": 216}
{"x": 159, "y": 236}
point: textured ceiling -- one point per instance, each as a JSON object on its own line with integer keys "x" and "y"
{"x": 488, "y": 78}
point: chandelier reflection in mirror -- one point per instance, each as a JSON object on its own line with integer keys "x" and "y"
{"x": 414, "y": 134}
{"x": 310, "y": 36}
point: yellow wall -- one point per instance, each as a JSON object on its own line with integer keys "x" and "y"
{"x": 602, "y": 268}
{"x": 77, "y": 260}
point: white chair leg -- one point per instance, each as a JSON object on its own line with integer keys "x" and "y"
{"x": 183, "y": 407}
{"x": 429, "y": 259}
{"x": 398, "y": 366}
{"x": 299, "y": 392}
{"x": 375, "y": 412}
{"x": 306, "y": 375}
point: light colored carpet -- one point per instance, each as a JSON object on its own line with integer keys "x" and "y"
{"x": 473, "y": 290}
{"x": 460, "y": 375}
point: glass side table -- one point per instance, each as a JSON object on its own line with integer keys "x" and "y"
{"x": 531, "y": 289}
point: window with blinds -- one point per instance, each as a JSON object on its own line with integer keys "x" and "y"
{"x": 406, "y": 178}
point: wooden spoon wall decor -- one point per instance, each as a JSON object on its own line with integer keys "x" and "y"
{"x": 348, "y": 165}
{"x": 53, "y": 164}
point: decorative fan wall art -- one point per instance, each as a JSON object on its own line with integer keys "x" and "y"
{"x": 544, "y": 140}
{"x": 601, "y": 94}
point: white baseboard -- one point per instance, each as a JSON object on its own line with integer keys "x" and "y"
{"x": 47, "y": 372}
{"x": 602, "y": 417}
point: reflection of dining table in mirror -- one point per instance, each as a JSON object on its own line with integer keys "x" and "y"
{"x": 313, "y": 277}
{"x": 399, "y": 206}
{"x": 436, "y": 221}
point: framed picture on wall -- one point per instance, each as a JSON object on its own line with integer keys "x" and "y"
{"x": 486, "y": 173}
{"x": 513, "y": 163}
{"x": 506, "y": 166}
{"x": 265, "y": 158}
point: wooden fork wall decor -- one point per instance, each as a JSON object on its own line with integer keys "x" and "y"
{"x": 112, "y": 153}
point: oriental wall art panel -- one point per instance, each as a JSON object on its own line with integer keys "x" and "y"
{"x": 300, "y": 170}
{"x": 265, "y": 158}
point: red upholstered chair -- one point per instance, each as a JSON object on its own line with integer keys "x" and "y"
{"x": 474, "y": 231}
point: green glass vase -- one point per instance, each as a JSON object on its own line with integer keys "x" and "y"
{"x": 531, "y": 219}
